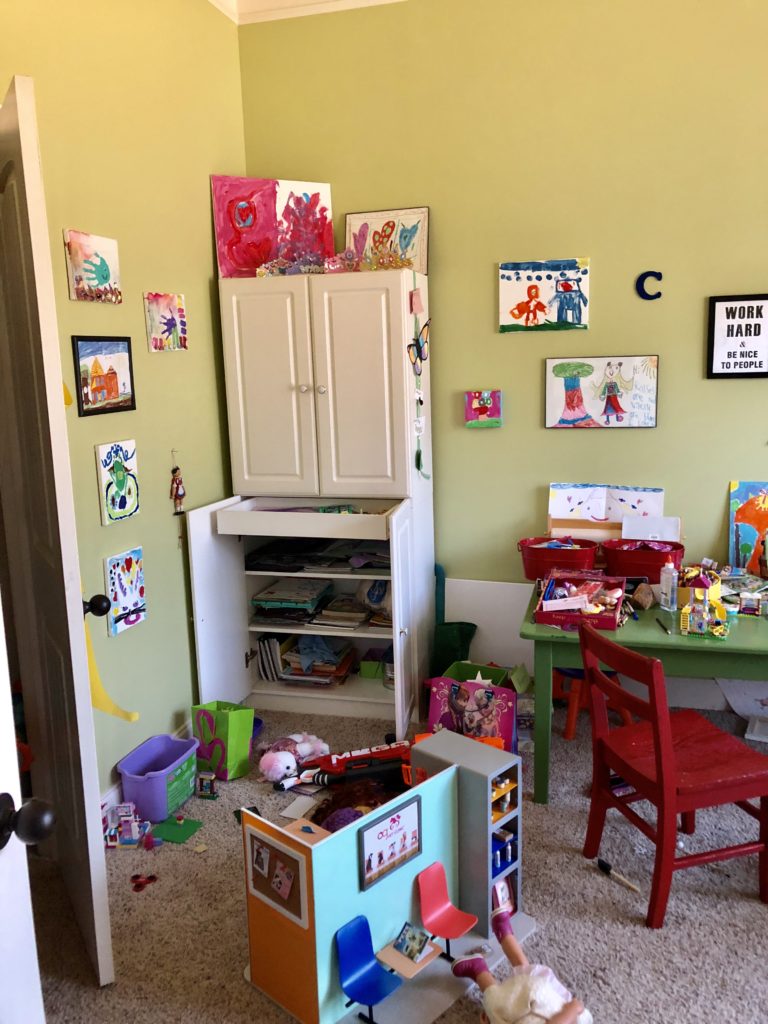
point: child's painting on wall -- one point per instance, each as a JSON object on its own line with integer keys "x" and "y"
{"x": 748, "y": 523}
{"x": 104, "y": 374}
{"x": 262, "y": 219}
{"x": 482, "y": 409}
{"x": 124, "y": 582}
{"x": 93, "y": 269}
{"x": 166, "y": 320}
{"x": 599, "y": 392}
{"x": 536, "y": 295}
{"x": 118, "y": 481}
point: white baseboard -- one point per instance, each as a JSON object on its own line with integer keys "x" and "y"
{"x": 498, "y": 610}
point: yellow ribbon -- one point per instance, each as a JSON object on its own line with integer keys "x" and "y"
{"x": 99, "y": 696}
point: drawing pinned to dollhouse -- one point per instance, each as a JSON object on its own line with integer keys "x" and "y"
{"x": 482, "y": 409}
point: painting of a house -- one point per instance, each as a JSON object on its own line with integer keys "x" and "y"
{"x": 105, "y": 374}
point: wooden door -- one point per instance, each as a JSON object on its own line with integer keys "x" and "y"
{"x": 360, "y": 333}
{"x": 270, "y": 385}
{"x": 403, "y": 621}
{"x": 39, "y": 515}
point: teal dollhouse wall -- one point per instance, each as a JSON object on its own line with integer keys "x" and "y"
{"x": 389, "y": 902}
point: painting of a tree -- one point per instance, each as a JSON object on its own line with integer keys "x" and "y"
{"x": 574, "y": 413}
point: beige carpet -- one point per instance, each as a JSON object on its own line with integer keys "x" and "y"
{"x": 181, "y": 944}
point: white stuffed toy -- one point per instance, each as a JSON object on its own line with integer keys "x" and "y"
{"x": 283, "y": 758}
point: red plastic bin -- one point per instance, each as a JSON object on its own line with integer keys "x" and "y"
{"x": 538, "y": 562}
{"x": 643, "y": 561}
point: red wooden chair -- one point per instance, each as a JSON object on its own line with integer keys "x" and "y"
{"x": 439, "y": 916}
{"x": 679, "y": 762}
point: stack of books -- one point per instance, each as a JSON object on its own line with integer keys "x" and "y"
{"x": 324, "y": 670}
{"x": 270, "y": 650}
{"x": 342, "y": 612}
{"x": 288, "y": 602}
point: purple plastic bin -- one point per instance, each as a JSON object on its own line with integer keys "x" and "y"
{"x": 159, "y": 775}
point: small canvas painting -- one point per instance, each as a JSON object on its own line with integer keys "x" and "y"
{"x": 401, "y": 233}
{"x": 482, "y": 409}
{"x": 262, "y": 219}
{"x": 619, "y": 392}
{"x": 124, "y": 582}
{"x": 748, "y": 523}
{"x": 118, "y": 481}
{"x": 166, "y": 319}
{"x": 544, "y": 295}
{"x": 93, "y": 268}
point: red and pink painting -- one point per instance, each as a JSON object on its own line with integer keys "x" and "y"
{"x": 258, "y": 220}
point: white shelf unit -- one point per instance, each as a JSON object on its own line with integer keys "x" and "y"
{"x": 481, "y": 818}
{"x": 323, "y": 407}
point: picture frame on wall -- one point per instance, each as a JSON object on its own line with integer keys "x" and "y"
{"x": 737, "y": 340}
{"x": 388, "y": 842}
{"x": 404, "y": 233}
{"x": 103, "y": 374}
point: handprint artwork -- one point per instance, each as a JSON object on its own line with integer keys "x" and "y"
{"x": 93, "y": 268}
{"x": 166, "y": 321}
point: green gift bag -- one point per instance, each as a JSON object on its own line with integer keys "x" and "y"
{"x": 224, "y": 731}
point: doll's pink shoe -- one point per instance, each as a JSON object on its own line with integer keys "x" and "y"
{"x": 501, "y": 922}
{"x": 468, "y": 967}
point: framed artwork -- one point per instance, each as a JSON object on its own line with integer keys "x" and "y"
{"x": 118, "y": 481}
{"x": 594, "y": 391}
{"x": 104, "y": 374}
{"x": 93, "y": 269}
{"x": 544, "y": 295}
{"x": 277, "y": 875}
{"x": 262, "y": 219}
{"x": 166, "y": 321}
{"x": 482, "y": 409}
{"x": 402, "y": 232}
{"x": 737, "y": 344}
{"x": 385, "y": 844}
{"x": 124, "y": 583}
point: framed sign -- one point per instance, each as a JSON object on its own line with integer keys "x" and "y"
{"x": 388, "y": 842}
{"x": 738, "y": 336}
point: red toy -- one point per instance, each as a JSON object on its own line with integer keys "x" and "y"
{"x": 330, "y": 768}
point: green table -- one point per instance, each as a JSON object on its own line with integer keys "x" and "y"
{"x": 744, "y": 655}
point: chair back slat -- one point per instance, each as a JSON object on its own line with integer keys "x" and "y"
{"x": 597, "y": 650}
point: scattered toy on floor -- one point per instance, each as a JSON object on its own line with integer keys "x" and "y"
{"x": 206, "y": 786}
{"x": 281, "y": 759}
{"x": 140, "y": 882}
{"x": 606, "y": 868}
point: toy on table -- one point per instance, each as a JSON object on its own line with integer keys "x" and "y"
{"x": 750, "y": 604}
{"x": 703, "y": 615}
{"x": 283, "y": 758}
{"x": 531, "y": 994}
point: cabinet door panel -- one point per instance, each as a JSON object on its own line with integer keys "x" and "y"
{"x": 270, "y": 396}
{"x": 358, "y": 323}
{"x": 403, "y": 645}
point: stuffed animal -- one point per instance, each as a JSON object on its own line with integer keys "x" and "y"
{"x": 282, "y": 759}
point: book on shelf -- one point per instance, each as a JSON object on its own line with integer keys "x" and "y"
{"x": 270, "y": 652}
{"x": 292, "y": 593}
{"x": 412, "y": 942}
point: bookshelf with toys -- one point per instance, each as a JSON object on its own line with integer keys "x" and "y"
{"x": 490, "y": 827}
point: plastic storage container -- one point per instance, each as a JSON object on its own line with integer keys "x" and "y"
{"x": 641, "y": 561}
{"x": 538, "y": 561}
{"x": 159, "y": 775}
{"x": 466, "y": 672}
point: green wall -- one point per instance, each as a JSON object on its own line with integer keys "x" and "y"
{"x": 629, "y": 133}
{"x": 137, "y": 105}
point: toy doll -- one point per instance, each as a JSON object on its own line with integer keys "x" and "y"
{"x": 177, "y": 491}
{"x": 530, "y": 995}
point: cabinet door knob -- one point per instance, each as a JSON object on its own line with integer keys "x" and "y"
{"x": 303, "y": 389}
{"x": 321, "y": 389}
{"x": 404, "y": 632}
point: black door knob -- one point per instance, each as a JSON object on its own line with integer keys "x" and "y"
{"x": 98, "y": 605}
{"x": 33, "y": 822}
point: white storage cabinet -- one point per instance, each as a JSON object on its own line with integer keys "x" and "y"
{"x": 322, "y": 403}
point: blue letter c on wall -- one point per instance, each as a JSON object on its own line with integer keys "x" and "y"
{"x": 640, "y": 284}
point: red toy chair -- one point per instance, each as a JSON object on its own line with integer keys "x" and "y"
{"x": 438, "y": 914}
{"x": 576, "y": 693}
{"x": 679, "y": 762}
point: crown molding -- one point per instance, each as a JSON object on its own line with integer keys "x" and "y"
{"x": 247, "y": 12}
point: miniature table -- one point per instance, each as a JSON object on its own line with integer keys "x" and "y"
{"x": 402, "y": 964}
{"x": 743, "y": 655}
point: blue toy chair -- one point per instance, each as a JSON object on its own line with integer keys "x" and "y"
{"x": 362, "y": 977}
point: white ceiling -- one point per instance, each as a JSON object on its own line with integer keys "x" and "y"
{"x": 246, "y": 12}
